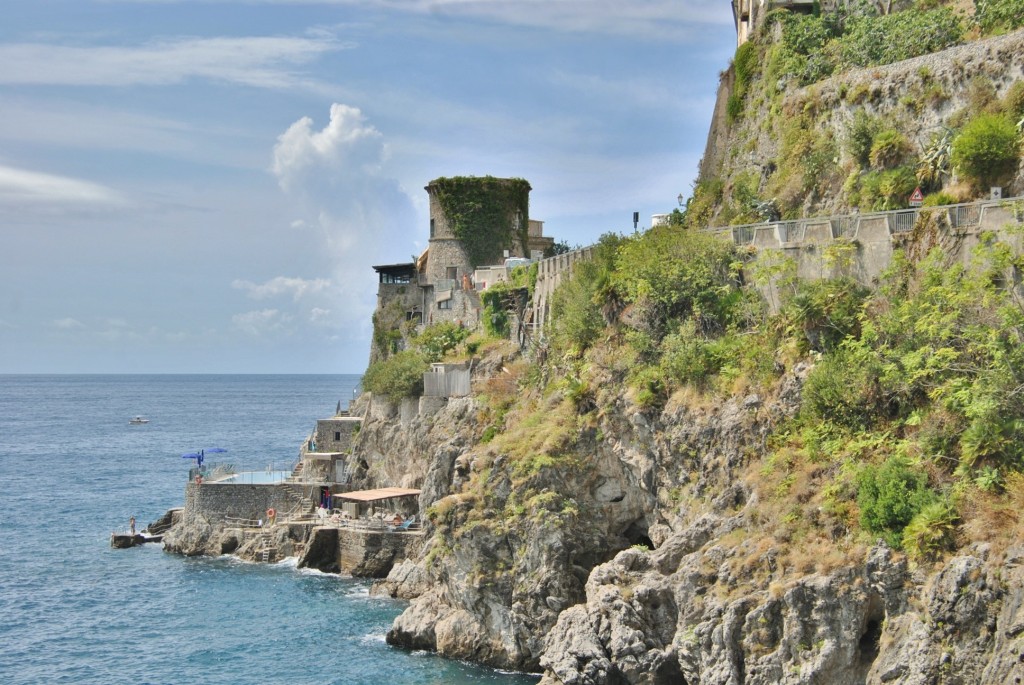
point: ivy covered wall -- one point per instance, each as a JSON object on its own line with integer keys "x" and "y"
{"x": 486, "y": 214}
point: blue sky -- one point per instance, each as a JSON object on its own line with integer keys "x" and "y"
{"x": 202, "y": 186}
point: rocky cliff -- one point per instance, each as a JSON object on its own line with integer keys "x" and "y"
{"x": 804, "y": 150}
{"x": 641, "y": 552}
{"x": 598, "y": 521}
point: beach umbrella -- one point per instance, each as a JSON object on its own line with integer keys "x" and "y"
{"x": 191, "y": 455}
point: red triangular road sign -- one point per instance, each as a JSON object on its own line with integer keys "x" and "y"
{"x": 917, "y": 195}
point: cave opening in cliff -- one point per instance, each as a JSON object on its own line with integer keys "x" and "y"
{"x": 869, "y": 641}
{"x": 637, "y": 534}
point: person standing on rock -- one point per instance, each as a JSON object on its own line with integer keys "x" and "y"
{"x": 131, "y": 524}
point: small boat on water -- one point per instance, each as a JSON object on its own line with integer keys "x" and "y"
{"x": 137, "y": 420}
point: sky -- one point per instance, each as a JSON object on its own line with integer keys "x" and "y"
{"x": 203, "y": 186}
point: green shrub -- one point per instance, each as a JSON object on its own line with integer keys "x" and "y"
{"x": 826, "y": 312}
{"x": 885, "y": 190}
{"x": 670, "y": 274}
{"x": 999, "y": 16}
{"x": 649, "y": 384}
{"x": 576, "y": 306}
{"x": 931, "y": 531}
{"x": 699, "y": 207}
{"x": 396, "y": 377}
{"x": 888, "y": 149}
{"x": 439, "y": 339}
{"x": 843, "y": 388}
{"x": 987, "y": 150}
{"x": 874, "y": 40}
{"x": 890, "y": 496}
{"x": 497, "y": 300}
{"x": 745, "y": 66}
{"x": 934, "y": 165}
{"x": 938, "y": 199}
{"x": 1013, "y": 101}
{"x": 686, "y": 357}
{"x": 861, "y": 136}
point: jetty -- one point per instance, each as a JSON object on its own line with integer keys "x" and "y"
{"x": 126, "y": 540}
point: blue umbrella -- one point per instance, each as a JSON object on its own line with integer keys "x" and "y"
{"x": 192, "y": 455}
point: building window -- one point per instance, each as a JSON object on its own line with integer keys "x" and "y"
{"x": 431, "y": 228}
{"x": 337, "y": 436}
{"x": 445, "y": 304}
{"x": 451, "y": 272}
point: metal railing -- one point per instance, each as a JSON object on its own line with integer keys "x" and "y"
{"x": 963, "y": 216}
{"x": 843, "y": 226}
{"x": 902, "y": 221}
{"x": 791, "y": 231}
{"x": 212, "y": 471}
{"x": 374, "y": 525}
{"x": 743, "y": 235}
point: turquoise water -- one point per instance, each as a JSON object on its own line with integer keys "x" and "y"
{"x": 73, "y": 610}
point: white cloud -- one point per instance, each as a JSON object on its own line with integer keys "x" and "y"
{"x": 322, "y": 317}
{"x": 262, "y": 321}
{"x": 68, "y": 324}
{"x": 347, "y": 145}
{"x": 282, "y": 285}
{"x": 260, "y": 61}
{"x": 20, "y": 188}
{"x": 334, "y": 176}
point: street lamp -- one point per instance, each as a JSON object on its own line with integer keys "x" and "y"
{"x": 679, "y": 199}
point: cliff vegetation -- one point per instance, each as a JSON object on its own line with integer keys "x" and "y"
{"x": 850, "y": 110}
{"x": 712, "y": 471}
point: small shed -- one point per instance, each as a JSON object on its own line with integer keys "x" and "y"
{"x": 446, "y": 380}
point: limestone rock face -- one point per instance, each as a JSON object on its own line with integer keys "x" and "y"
{"x": 406, "y": 580}
{"x": 489, "y": 587}
{"x": 194, "y": 536}
{"x": 877, "y": 622}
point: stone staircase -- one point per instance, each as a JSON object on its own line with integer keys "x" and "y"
{"x": 302, "y": 506}
{"x": 296, "y": 475}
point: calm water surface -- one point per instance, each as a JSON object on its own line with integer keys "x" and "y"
{"x": 72, "y": 610}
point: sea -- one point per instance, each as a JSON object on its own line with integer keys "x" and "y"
{"x": 74, "y": 610}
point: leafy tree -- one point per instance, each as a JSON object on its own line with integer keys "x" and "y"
{"x": 398, "y": 376}
{"x": 584, "y": 303}
{"x": 439, "y": 339}
{"x": 667, "y": 274}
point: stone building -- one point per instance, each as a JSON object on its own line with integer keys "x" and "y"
{"x": 440, "y": 285}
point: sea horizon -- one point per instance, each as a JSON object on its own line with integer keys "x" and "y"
{"x": 77, "y": 611}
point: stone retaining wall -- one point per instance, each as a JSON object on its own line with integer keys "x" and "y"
{"x": 217, "y": 502}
